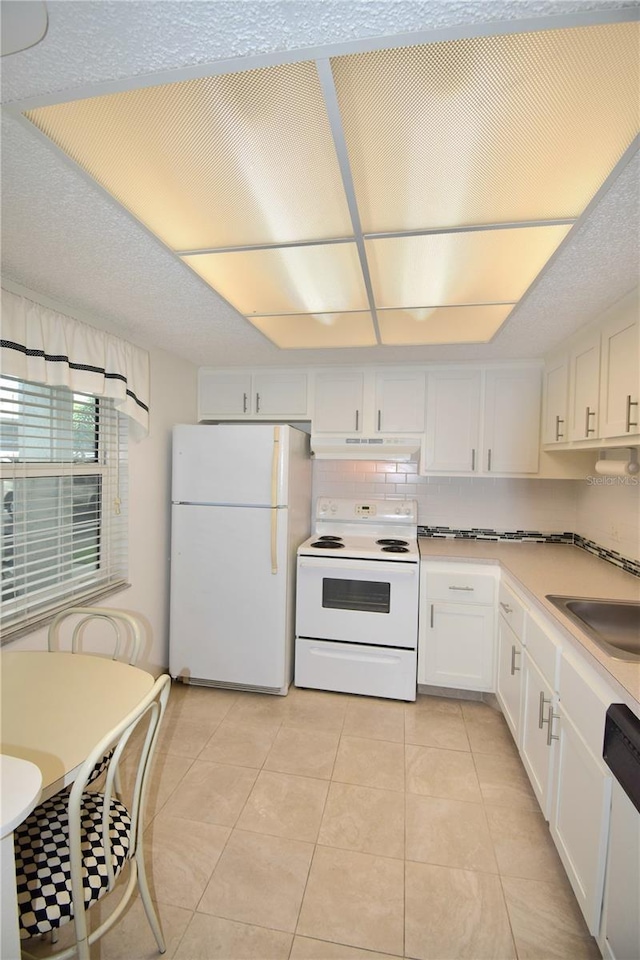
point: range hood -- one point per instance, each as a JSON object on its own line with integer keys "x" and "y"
{"x": 365, "y": 448}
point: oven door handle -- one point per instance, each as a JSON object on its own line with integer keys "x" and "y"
{"x": 363, "y": 566}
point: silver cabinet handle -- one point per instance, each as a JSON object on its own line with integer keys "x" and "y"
{"x": 514, "y": 653}
{"x": 357, "y": 418}
{"x": 463, "y": 588}
{"x": 432, "y": 615}
{"x": 629, "y": 422}
{"x": 506, "y": 607}
{"x": 257, "y": 403}
{"x": 379, "y": 419}
{"x": 587, "y": 429}
{"x": 543, "y": 700}
{"x": 473, "y": 459}
{"x": 244, "y": 402}
{"x": 549, "y": 719}
{"x": 559, "y": 420}
{"x": 489, "y": 459}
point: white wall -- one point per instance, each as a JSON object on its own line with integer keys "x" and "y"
{"x": 608, "y": 511}
{"x": 173, "y": 400}
{"x": 544, "y": 505}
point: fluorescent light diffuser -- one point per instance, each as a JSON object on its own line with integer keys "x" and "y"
{"x": 316, "y": 279}
{"x": 433, "y": 325}
{"x": 518, "y": 127}
{"x": 310, "y": 331}
{"x": 232, "y": 160}
{"x": 485, "y": 266}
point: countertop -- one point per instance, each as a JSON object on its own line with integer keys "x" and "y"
{"x": 556, "y": 568}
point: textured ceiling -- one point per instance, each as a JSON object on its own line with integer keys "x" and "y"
{"x": 65, "y": 239}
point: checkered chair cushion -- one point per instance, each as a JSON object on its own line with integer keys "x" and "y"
{"x": 43, "y": 868}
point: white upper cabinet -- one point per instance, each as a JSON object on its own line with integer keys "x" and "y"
{"x": 483, "y": 422}
{"x": 620, "y": 375}
{"x": 280, "y": 394}
{"x": 338, "y": 402}
{"x": 511, "y": 421}
{"x": 584, "y": 387}
{"x": 399, "y": 402}
{"x": 453, "y": 421}
{"x": 556, "y": 395}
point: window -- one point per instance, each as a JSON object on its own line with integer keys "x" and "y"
{"x": 63, "y": 486}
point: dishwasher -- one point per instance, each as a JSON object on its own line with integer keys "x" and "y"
{"x": 620, "y": 932}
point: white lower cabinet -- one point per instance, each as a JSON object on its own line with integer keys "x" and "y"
{"x": 537, "y": 743}
{"x": 456, "y": 627}
{"x": 580, "y": 817}
{"x": 509, "y": 676}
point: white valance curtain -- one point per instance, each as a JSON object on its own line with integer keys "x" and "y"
{"x": 44, "y": 346}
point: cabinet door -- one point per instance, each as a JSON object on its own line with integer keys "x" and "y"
{"x": 511, "y": 421}
{"x": 579, "y": 821}
{"x": 280, "y": 394}
{"x": 458, "y": 646}
{"x": 338, "y": 405}
{"x": 536, "y": 746}
{"x": 556, "y": 388}
{"x": 453, "y": 421}
{"x": 620, "y": 372}
{"x": 584, "y": 388}
{"x": 222, "y": 394}
{"x": 399, "y": 403}
{"x": 509, "y": 674}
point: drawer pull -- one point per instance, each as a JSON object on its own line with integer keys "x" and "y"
{"x": 543, "y": 700}
{"x": 588, "y": 428}
{"x": 471, "y": 589}
{"x": 506, "y": 607}
{"x": 257, "y": 403}
{"x": 473, "y": 459}
{"x": 549, "y": 719}
{"x": 630, "y": 423}
{"x": 244, "y": 403}
{"x": 514, "y": 652}
{"x": 559, "y": 420}
{"x": 432, "y": 615}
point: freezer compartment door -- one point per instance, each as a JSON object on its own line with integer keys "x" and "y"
{"x": 228, "y": 618}
{"x": 355, "y": 668}
{"x": 230, "y": 463}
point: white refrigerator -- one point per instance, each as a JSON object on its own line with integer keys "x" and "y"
{"x": 241, "y": 505}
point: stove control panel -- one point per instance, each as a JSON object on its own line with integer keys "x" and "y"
{"x": 365, "y": 510}
{"x": 376, "y": 511}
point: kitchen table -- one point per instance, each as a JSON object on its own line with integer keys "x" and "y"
{"x": 55, "y": 709}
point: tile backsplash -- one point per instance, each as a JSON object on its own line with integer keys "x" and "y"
{"x": 599, "y": 511}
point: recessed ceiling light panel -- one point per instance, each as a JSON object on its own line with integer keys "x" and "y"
{"x": 502, "y": 129}
{"x": 434, "y": 325}
{"x": 313, "y": 279}
{"x": 231, "y": 160}
{"x": 312, "y": 331}
{"x": 485, "y": 266}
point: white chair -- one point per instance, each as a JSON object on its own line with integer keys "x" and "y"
{"x": 128, "y": 630}
{"x": 71, "y": 849}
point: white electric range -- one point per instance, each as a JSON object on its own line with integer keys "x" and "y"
{"x": 357, "y": 599}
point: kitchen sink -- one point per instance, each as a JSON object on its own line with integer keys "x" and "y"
{"x": 613, "y": 624}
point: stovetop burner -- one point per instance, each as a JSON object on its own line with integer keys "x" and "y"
{"x": 392, "y": 543}
{"x": 330, "y": 539}
{"x": 330, "y": 544}
{"x": 395, "y": 548}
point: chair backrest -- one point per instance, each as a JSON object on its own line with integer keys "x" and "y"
{"x": 128, "y": 630}
{"x": 138, "y": 731}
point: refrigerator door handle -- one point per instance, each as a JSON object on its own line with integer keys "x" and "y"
{"x": 274, "y": 500}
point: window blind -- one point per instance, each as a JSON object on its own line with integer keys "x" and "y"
{"x": 63, "y": 479}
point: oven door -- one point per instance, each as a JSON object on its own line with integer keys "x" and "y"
{"x": 358, "y": 601}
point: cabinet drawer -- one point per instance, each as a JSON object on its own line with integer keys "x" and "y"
{"x": 458, "y": 586}
{"x": 543, "y": 650}
{"x": 511, "y": 609}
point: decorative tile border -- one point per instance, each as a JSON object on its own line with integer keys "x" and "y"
{"x": 611, "y": 556}
{"x": 533, "y": 536}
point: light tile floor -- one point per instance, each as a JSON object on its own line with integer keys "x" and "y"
{"x": 321, "y": 826}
